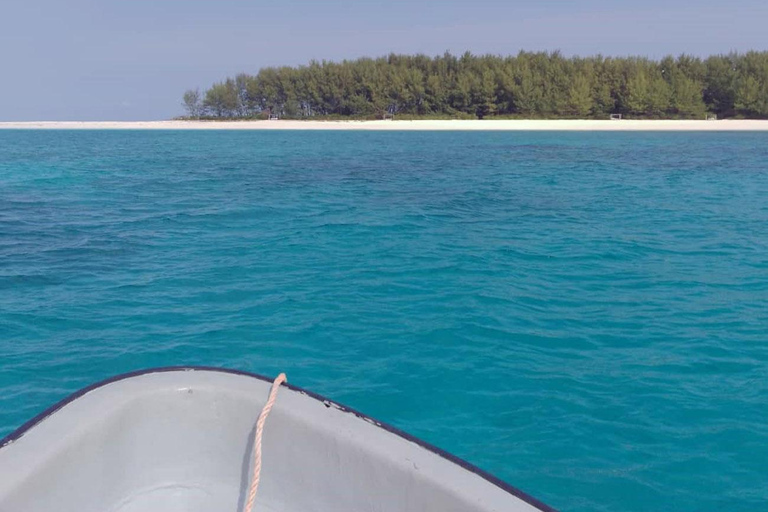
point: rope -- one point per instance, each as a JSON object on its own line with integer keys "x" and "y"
{"x": 257, "y": 441}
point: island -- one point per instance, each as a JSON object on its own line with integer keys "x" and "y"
{"x": 529, "y": 85}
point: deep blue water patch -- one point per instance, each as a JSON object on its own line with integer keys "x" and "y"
{"x": 583, "y": 315}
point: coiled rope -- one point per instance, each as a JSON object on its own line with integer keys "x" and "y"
{"x": 257, "y": 441}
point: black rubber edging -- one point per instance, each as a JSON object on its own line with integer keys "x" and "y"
{"x": 26, "y": 427}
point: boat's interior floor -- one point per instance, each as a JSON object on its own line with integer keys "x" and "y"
{"x": 189, "y": 498}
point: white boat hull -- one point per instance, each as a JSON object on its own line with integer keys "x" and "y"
{"x": 180, "y": 440}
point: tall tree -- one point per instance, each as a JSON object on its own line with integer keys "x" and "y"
{"x": 580, "y": 96}
{"x": 687, "y": 97}
{"x": 222, "y": 99}
{"x": 638, "y": 94}
{"x": 192, "y": 102}
{"x": 659, "y": 96}
{"x": 720, "y": 83}
{"x": 750, "y": 101}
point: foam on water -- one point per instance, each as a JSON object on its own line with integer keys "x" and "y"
{"x": 584, "y": 315}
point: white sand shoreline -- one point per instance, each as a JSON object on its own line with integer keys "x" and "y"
{"x": 425, "y": 125}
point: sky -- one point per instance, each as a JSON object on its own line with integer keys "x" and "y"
{"x": 133, "y": 59}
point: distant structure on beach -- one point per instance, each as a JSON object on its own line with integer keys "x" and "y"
{"x": 615, "y": 117}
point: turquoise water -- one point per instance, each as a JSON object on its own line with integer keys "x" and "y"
{"x": 583, "y": 315}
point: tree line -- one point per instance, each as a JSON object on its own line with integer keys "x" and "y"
{"x": 529, "y": 85}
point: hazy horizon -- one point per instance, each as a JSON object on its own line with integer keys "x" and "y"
{"x": 109, "y": 60}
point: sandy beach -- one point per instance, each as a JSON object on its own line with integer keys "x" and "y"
{"x": 438, "y": 125}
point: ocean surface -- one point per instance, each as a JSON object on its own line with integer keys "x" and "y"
{"x": 584, "y": 315}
